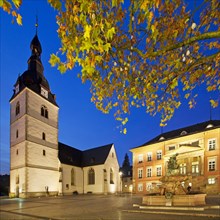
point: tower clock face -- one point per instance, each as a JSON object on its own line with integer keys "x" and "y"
{"x": 44, "y": 92}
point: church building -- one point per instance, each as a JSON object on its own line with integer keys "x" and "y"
{"x": 40, "y": 165}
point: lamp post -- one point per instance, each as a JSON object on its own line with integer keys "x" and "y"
{"x": 120, "y": 174}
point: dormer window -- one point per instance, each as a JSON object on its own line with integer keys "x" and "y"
{"x": 209, "y": 126}
{"x": 161, "y": 138}
{"x": 44, "y": 92}
{"x": 17, "y": 89}
{"x": 183, "y": 133}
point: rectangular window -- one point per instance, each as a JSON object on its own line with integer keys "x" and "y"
{"x": 140, "y": 173}
{"x": 182, "y": 168}
{"x": 140, "y": 187}
{"x": 148, "y": 186}
{"x": 212, "y": 144}
{"x": 149, "y": 171}
{"x": 211, "y": 181}
{"x": 140, "y": 158}
{"x": 44, "y": 153}
{"x": 159, "y": 154}
{"x": 211, "y": 164}
{"x": 149, "y": 156}
{"x": 195, "y": 167}
{"x": 159, "y": 171}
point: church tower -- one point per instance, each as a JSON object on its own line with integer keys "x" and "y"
{"x": 33, "y": 132}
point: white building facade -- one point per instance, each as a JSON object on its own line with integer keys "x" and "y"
{"x": 38, "y": 165}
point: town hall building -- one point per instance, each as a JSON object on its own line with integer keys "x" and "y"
{"x": 40, "y": 165}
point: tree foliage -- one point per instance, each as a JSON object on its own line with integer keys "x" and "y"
{"x": 142, "y": 53}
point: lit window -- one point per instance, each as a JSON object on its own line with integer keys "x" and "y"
{"x": 140, "y": 187}
{"x": 195, "y": 167}
{"x": 149, "y": 186}
{"x": 72, "y": 177}
{"x": 43, "y": 136}
{"x": 159, "y": 171}
{"x": 211, "y": 181}
{"x": 44, "y": 111}
{"x": 17, "y": 108}
{"x": 111, "y": 176}
{"x": 149, "y": 171}
{"x": 211, "y": 164}
{"x": 182, "y": 168}
{"x": 140, "y": 158}
{"x": 91, "y": 177}
{"x": 159, "y": 154}
{"x": 149, "y": 156}
{"x": 212, "y": 144}
{"x": 140, "y": 173}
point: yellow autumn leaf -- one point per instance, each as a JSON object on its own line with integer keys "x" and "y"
{"x": 19, "y": 19}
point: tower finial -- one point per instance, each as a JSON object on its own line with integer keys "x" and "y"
{"x": 36, "y": 24}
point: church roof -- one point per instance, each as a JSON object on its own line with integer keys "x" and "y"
{"x": 96, "y": 156}
{"x": 204, "y": 126}
{"x": 72, "y": 156}
{"x": 69, "y": 155}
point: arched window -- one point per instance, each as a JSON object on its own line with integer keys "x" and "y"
{"x": 44, "y": 111}
{"x": 43, "y": 136}
{"x": 91, "y": 177}
{"x": 111, "y": 176}
{"x": 17, "y": 109}
{"x": 72, "y": 177}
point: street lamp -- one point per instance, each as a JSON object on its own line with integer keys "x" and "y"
{"x": 120, "y": 174}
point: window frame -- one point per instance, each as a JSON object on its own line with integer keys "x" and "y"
{"x": 140, "y": 173}
{"x": 212, "y": 164}
{"x": 149, "y": 171}
{"x": 159, "y": 170}
{"x": 91, "y": 176}
{"x": 149, "y": 156}
{"x": 159, "y": 154}
{"x": 211, "y": 145}
{"x": 140, "y": 158}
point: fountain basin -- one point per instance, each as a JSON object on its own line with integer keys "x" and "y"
{"x": 176, "y": 200}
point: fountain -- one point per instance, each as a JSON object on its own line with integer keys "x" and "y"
{"x": 172, "y": 191}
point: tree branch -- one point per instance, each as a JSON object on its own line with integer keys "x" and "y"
{"x": 205, "y": 36}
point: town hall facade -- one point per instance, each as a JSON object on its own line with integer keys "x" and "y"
{"x": 40, "y": 165}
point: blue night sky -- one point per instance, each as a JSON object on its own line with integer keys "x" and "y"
{"x": 81, "y": 125}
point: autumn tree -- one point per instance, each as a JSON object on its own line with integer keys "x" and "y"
{"x": 141, "y": 53}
